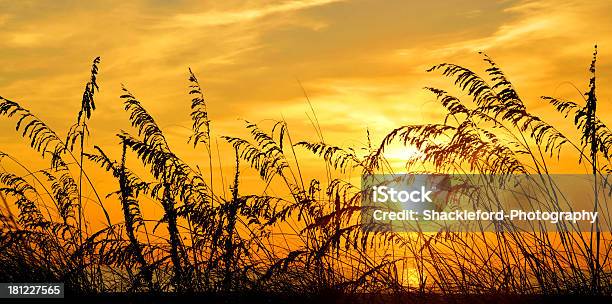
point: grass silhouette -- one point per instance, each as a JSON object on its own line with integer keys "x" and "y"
{"x": 309, "y": 242}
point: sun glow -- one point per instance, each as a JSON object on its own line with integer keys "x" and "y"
{"x": 411, "y": 277}
{"x": 398, "y": 155}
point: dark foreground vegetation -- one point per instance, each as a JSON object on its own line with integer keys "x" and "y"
{"x": 305, "y": 242}
{"x": 340, "y": 298}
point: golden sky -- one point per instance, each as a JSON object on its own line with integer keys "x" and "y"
{"x": 362, "y": 62}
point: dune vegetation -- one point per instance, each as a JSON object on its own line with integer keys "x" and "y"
{"x": 309, "y": 240}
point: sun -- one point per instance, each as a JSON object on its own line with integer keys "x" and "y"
{"x": 397, "y": 155}
{"x": 410, "y": 277}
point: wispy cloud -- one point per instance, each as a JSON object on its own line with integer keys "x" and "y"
{"x": 534, "y": 21}
{"x": 216, "y": 18}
